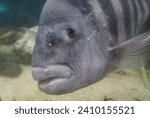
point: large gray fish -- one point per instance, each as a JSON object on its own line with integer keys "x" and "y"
{"x": 80, "y": 41}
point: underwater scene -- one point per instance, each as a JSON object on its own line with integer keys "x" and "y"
{"x": 19, "y": 21}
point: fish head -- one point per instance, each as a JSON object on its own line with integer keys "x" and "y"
{"x": 70, "y": 52}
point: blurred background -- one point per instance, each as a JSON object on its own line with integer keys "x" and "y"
{"x": 16, "y": 14}
{"x": 20, "y": 13}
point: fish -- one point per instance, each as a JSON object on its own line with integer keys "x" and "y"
{"x": 3, "y": 7}
{"x": 79, "y": 42}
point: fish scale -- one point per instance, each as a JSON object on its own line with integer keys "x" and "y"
{"x": 125, "y": 18}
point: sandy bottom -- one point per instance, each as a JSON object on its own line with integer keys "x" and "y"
{"x": 126, "y": 85}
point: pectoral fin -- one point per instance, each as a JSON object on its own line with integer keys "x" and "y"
{"x": 132, "y": 52}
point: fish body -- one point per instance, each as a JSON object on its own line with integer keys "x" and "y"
{"x": 80, "y": 41}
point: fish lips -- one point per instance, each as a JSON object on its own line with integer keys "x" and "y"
{"x": 51, "y": 75}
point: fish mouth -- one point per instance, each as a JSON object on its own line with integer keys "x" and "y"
{"x": 52, "y": 74}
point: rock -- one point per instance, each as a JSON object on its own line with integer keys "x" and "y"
{"x": 15, "y": 50}
{"x": 8, "y": 36}
{"x": 27, "y": 42}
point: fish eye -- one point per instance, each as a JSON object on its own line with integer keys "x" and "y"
{"x": 71, "y": 32}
